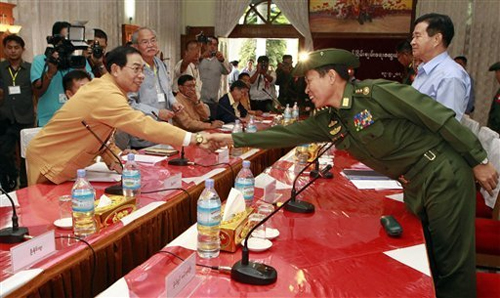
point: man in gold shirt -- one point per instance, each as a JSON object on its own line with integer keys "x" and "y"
{"x": 194, "y": 116}
{"x": 64, "y": 144}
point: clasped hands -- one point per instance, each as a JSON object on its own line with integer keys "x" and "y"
{"x": 214, "y": 141}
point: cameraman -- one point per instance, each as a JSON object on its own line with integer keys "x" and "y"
{"x": 97, "y": 51}
{"x": 262, "y": 86}
{"x": 46, "y": 78}
{"x": 212, "y": 66}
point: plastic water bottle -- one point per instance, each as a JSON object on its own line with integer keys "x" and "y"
{"x": 287, "y": 115}
{"x": 237, "y": 128}
{"x": 245, "y": 183}
{"x": 295, "y": 113}
{"x": 83, "y": 197}
{"x": 251, "y": 126}
{"x": 209, "y": 218}
{"x": 131, "y": 178}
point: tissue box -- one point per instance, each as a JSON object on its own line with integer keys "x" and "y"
{"x": 118, "y": 209}
{"x": 234, "y": 230}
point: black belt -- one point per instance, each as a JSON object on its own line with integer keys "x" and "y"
{"x": 417, "y": 168}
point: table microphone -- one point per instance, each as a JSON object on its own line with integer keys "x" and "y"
{"x": 303, "y": 206}
{"x": 253, "y": 273}
{"x": 15, "y": 234}
{"x": 113, "y": 189}
{"x": 323, "y": 173}
{"x": 272, "y": 97}
{"x": 232, "y": 114}
{"x": 182, "y": 161}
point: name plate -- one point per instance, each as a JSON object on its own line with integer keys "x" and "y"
{"x": 180, "y": 276}
{"x": 174, "y": 181}
{"x": 223, "y": 155}
{"x": 270, "y": 191}
{"x": 31, "y": 251}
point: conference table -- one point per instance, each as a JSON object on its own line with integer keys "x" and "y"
{"x": 122, "y": 246}
{"x": 340, "y": 250}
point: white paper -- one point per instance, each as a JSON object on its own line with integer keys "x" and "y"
{"x": 267, "y": 121}
{"x": 235, "y": 204}
{"x": 198, "y": 180}
{"x": 117, "y": 290}
{"x": 396, "y": 197}
{"x": 412, "y": 256}
{"x": 104, "y": 201}
{"x": 377, "y": 184}
{"x": 99, "y": 172}
{"x": 5, "y": 202}
{"x": 249, "y": 153}
{"x": 188, "y": 239}
{"x": 227, "y": 127}
{"x": 17, "y": 280}
{"x": 140, "y": 212}
{"x": 144, "y": 158}
{"x": 263, "y": 179}
{"x": 99, "y": 167}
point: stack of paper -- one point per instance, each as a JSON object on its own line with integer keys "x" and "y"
{"x": 369, "y": 179}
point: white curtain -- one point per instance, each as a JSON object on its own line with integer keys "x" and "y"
{"x": 165, "y": 18}
{"x": 227, "y": 15}
{"x": 483, "y": 51}
{"x": 297, "y": 12}
{"x": 477, "y": 36}
{"x": 37, "y": 17}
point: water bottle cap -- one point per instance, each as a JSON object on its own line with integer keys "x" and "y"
{"x": 246, "y": 164}
{"x": 209, "y": 183}
{"x": 80, "y": 173}
{"x": 131, "y": 157}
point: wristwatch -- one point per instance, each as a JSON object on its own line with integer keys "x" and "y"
{"x": 485, "y": 161}
{"x": 199, "y": 138}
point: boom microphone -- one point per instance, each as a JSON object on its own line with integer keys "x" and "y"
{"x": 15, "y": 234}
{"x": 113, "y": 189}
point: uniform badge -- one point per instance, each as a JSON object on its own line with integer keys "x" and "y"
{"x": 336, "y": 130}
{"x": 332, "y": 123}
{"x": 363, "y": 120}
{"x": 366, "y": 90}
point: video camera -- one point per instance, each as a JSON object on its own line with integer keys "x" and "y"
{"x": 202, "y": 38}
{"x": 97, "y": 50}
{"x": 70, "y": 49}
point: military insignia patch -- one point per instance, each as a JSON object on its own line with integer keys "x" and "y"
{"x": 332, "y": 123}
{"x": 363, "y": 120}
{"x": 366, "y": 90}
{"x": 336, "y": 130}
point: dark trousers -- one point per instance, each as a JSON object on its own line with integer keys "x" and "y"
{"x": 262, "y": 105}
{"x": 442, "y": 195}
{"x": 9, "y": 170}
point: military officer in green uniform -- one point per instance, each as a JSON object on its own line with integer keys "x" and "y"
{"x": 494, "y": 116}
{"x": 405, "y": 135}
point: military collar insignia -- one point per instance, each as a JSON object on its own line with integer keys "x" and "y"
{"x": 332, "y": 123}
{"x": 364, "y": 90}
{"x": 363, "y": 119}
{"x": 336, "y": 130}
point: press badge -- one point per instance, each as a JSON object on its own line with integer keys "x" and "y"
{"x": 14, "y": 90}
{"x": 62, "y": 98}
{"x": 161, "y": 97}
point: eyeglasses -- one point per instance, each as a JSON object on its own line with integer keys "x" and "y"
{"x": 146, "y": 42}
{"x": 136, "y": 69}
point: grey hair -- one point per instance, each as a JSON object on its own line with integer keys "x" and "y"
{"x": 135, "y": 35}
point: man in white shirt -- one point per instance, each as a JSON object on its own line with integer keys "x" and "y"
{"x": 262, "y": 90}
{"x": 189, "y": 66}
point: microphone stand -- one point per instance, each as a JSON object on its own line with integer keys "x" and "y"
{"x": 276, "y": 102}
{"x": 113, "y": 189}
{"x": 253, "y": 273}
{"x": 15, "y": 234}
{"x": 302, "y": 206}
{"x": 232, "y": 114}
{"x": 182, "y": 161}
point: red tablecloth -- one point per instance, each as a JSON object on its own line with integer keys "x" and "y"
{"x": 335, "y": 252}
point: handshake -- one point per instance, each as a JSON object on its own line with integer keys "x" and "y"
{"x": 214, "y": 141}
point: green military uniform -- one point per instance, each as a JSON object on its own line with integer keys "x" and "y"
{"x": 409, "y": 75}
{"x": 405, "y": 135}
{"x": 494, "y": 116}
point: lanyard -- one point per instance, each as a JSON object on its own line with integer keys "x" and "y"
{"x": 14, "y": 76}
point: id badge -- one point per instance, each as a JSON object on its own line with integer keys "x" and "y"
{"x": 14, "y": 90}
{"x": 161, "y": 97}
{"x": 62, "y": 98}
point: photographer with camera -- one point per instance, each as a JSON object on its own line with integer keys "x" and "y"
{"x": 262, "y": 86}
{"x": 189, "y": 66}
{"x": 96, "y": 53}
{"x": 212, "y": 66}
{"x": 48, "y": 70}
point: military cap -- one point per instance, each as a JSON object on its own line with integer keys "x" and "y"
{"x": 325, "y": 57}
{"x": 495, "y": 67}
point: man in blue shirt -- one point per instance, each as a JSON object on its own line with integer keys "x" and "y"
{"x": 47, "y": 77}
{"x": 439, "y": 76}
